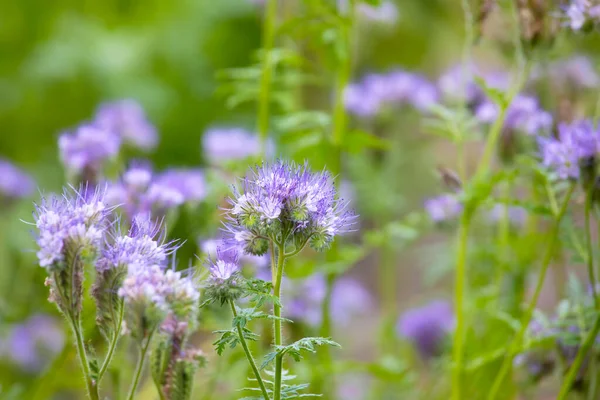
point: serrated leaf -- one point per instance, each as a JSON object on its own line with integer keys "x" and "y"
{"x": 295, "y": 349}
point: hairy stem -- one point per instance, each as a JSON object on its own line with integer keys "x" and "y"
{"x": 590, "y": 248}
{"x": 584, "y": 351}
{"x": 251, "y": 361}
{"x": 113, "y": 344}
{"x": 91, "y": 385}
{"x": 139, "y": 367}
{"x": 264, "y": 96}
{"x": 277, "y": 322}
{"x": 526, "y": 318}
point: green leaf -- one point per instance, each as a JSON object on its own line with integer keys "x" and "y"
{"x": 357, "y": 141}
{"x": 295, "y": 349}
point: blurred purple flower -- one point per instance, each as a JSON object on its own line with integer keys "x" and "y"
{"x": 427, "y": 327}
{"x": 385, "y": 13}
{"x": 209, "y": 247}
{"x": 578, "y": 12}
{"x": 376, "y": 92}
{"x": 33, "y": 343}
{"x": 575, "y": 72}
{"x": 443, "y": 208}
{"x": 524, "y": 114}
{"x": 221, "y": 144}
{"x": 458, "y": 83}
{"x": 14, "y": 182}
{"x": 127, "y": 119}
{"x": 88, "y": 148}
{"x": 190, "y": 183}
{"x": 516, "y": 214}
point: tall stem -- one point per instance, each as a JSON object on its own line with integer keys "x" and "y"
{"x": 251, "y": 361}
{"x": 91, "y": 386}
{"x": 139, "y": 367}
{"x": 581, "y": 354}
{"x": 113, "y": 344}
{"x": 264, "y": 96}
{"x": 526, "y": 318}
{"x": 277, "y": 322}
{"x": 590, "y": 249}
{"x": 459, "y": 292}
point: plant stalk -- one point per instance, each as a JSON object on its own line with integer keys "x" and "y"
{"x": 277, "y": 323}
{"x": 139, "y": 367}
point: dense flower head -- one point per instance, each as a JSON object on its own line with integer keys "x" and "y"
{"x": 143, "y": 244}
{"x": 427, "y": 326}
{"x": 443, "y": 208}
{"x": 210, "y": 246}
{"x": 580, "y": 12}
{"x": 375, "y": 92}
{"x": 304, "y": 300}
{"x": 223, "y": 283}
{"x": 284, "y": 199}
{"x": 225, "y": 266}
{"x": 524, "y": 114}
{"x": 33, "y": 343}
{"x": 75, "y": 220}
{"x": 222, "y": 144}
{"x": 127, "y": 119}
{"x": 88, "y": 148}
{"x": 575, "y": 143}
{"x": 14, "y": 182}
{"x": 141, "y": 192}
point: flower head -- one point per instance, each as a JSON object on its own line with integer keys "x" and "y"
{"x": 524, "y": 114}
{"x": 14, "y": 183}
{"x": 443, "y": 208}
{"x": 221, "y": 144}
{"x": 71, "y": 223}
{"x": 580, "y": 12}
{"x": 126, "y": 118}
{"x": 283, "y": 197}
{"x": 210, "y": 247}
{"x": 427, "y": 327}
{"x": 223, "y": 282}
{"x": 88, "y": 148}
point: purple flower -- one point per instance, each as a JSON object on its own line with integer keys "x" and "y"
{"x": 88, "y": 148}
{"x": 33, "y": 343}
{"x": 516, "y": 214}
{"x": 443, "y": 208}
{"x": 210, "y": 247}
{"x": 385, "y": 13}
{"x": 222, "y": 144}
{"x": 14, "y": 183}
{"x": 144, "y": 244}
{"x": 575, "y": 72}
{"x": 576, "y": 142}
{"x": 524, "y": 114}
{"x": 225, "y": 266}
{"x": 427, "y": 327}
{"x": 375, "y": 92}
{"x": 75, "y": 220}
{"x": 458, "y": 83}
{"x": 286, "y": 197}
{"x": 126, "y": 118}
{"x": 189, "y": 183}
{"x": 578, "y": 12}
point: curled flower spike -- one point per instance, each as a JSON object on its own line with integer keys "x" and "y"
{"x": 127, "y": 119}
{"x": 223, "y": 282}
{"x": 283, "y": 201}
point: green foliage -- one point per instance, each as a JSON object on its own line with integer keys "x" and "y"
{"x": 295, "y": 349}
{"x": 230, "y": 338}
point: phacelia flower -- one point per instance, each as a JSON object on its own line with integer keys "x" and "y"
{"x": 144, "y": 244}
{"x": 210, "y": 246}
{"x": 373, "y": 93}
{"x": 14, "y": 183}
{"x": 284, "y": 197}
{"x": 576, "y": 142}
{"x": 223, "y": 284}
{"x": 524, "y": 115}
{"x": 127, "y": 119}
{"x": 88, "y": 148}
{"x": 575, "y": 73}
{"x": 443, "y": 208}
{"x": 73, "y": 223}
{"x": 516, "y": 215}
{"x": 458, "y": 83}
{"x": 222, "y": 144}
{"x": 189, "y": 183}
{"x": 427, "y": 327}
{"x": 33, "y": 343}
{"x": 580, "y": 12}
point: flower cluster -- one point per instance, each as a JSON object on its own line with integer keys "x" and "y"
{"x": 574, "y": 73}
{"x": 582, "y": 12}
{"x": 68, "y": 224}
{"x": 443, "y": 208}
{"x": 375, "y": 92}
{"x": 524, "y": 114}
{"x": 141, "y": 192}
{"x": 223, "y": 144}
{"x": 14, "y": 183}
{"x": 427, "y": 327}
{"x": 211, "y": 246}
{"x": 223, "y": 283}
{"x": 127, "y": 119}
{"x": 572, "y": 150}
{"x": 288, "y": 203}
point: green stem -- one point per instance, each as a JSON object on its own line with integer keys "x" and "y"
{"x": 581, "y": 354}
{"x": 251, "y": 361}
{"x": 526, "y": 318}
{"x": 92, "y": 388}
{"x": 459, "y": 289}
{"x": 590, "y": 249}
{"x": 277, "y": 322}
{"x": 264, "y": 96}
{"x": 113, "y": 344}
{"x": 139, "y": 367}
